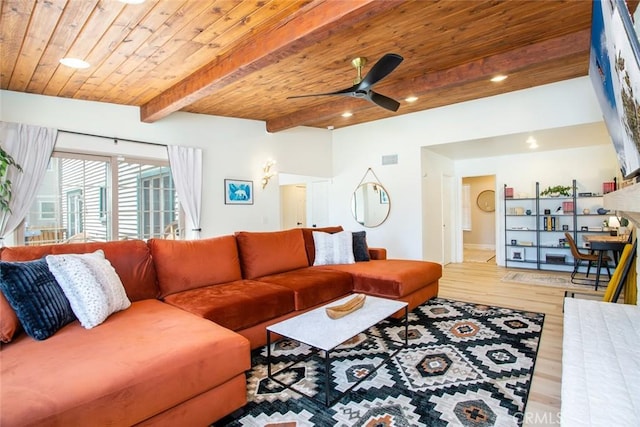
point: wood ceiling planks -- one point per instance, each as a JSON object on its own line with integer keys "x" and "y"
{"x": 267, "y": 45}
{"x": 242, "y": 58}
{"x": 14, "y": 21}
{"x": 42, "y": 23}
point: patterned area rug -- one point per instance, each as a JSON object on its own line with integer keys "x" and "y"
{"x": 466, "y": 364}
{"x": 545, "y": 279}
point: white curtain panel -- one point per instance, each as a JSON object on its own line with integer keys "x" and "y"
{"x": 186, "y": 169}
{"x": 31, "y": 148}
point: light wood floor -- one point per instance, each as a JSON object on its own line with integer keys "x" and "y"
{"x": 480, "y": 283}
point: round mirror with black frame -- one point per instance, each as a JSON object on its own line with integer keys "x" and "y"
{"x": 486, "y": 201}
{"x": 370, "y": 204}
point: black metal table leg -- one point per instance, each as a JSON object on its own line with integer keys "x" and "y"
{"x": 406, "y": 325}
{"x": 268, "y": 353}
{"x": 599, "y": 266}
{"x": 327, "y": 372}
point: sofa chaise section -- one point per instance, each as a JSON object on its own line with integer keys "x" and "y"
{"x": 150, "y": 363}
{"x": 411, "y": 281}
{"x": 141, "y": 363}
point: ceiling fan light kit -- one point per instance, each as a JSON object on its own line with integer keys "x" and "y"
{"x": 362, "y": 87}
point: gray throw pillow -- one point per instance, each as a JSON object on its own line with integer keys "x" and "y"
{"x": 360, "y": 248}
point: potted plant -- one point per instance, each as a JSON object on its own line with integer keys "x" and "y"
{"x": 556, "y": 191}
{"x": 5, "y": 184}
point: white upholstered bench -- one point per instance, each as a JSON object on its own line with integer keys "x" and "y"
{"x": 600, "y": 364}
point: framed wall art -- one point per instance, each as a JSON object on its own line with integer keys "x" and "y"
{"x": 384, "y": 197}
{"x": 238, "y": 192}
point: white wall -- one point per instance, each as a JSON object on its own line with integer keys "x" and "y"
{"x": 358, "y": 147}
{"x": 232, "y": 148}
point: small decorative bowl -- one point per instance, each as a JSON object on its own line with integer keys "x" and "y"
{"x": 338, "y": 311}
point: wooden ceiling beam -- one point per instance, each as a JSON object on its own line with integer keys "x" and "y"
{"x": 310, "y": 25}
{"x": 545, "y": 51}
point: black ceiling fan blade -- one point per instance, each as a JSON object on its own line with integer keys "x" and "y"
{"x": 384, "y": 101}
{"x": 347, "y": 92}
{"x": 380, "y": 70}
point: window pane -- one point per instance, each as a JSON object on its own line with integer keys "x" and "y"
{"x": 67, "y": 204}
{"x": 150, "y": 215}
{"x": 75, "y": 200}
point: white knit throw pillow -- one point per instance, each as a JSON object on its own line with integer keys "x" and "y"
{"x": 336, "y": 248}
{"x": 91, "y": 285}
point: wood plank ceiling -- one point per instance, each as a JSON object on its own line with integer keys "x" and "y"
{"x": 243, "y": 58}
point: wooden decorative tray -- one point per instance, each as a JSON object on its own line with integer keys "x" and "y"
{"x": 338, "y": 311}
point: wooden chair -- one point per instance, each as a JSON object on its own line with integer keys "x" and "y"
{"x": 590, "y": 258}
{"x": 620, "y": 279}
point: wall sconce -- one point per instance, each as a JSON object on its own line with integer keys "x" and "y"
{"x": 268, "y": 174}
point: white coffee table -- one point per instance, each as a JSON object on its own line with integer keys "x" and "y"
{"x": 318, "y": 330}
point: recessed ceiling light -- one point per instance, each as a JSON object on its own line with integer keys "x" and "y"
{"x": 74, "y": 63}
{"x": 498, "y": 78}
{"x": 347, "y": 114}
{"x": 411, "y": 98}
{"x": 532, "y": 142}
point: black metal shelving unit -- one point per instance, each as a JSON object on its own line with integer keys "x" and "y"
{"x": 533, "y": 242}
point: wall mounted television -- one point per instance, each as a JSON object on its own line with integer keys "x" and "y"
{"x": 614, "y": 70}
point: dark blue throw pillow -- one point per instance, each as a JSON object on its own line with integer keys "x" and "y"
{"x": 360, "y": 248}
{"x": 36, "y": 297}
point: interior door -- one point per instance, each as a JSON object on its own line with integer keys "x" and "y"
{"x": 447, "y": 222}
{"x": 293, "y": 205}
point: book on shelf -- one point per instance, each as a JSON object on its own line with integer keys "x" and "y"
{"x": 549, "y": 223}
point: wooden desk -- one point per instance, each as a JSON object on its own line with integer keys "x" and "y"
{"x": 603, "y": 243}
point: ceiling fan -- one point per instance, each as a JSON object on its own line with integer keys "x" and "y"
{"x": 362, "y": 86}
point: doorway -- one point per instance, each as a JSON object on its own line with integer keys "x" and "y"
{"x": 479, "y": 219}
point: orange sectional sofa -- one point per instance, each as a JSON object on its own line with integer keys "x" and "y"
{"x": 179, "y": 353}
